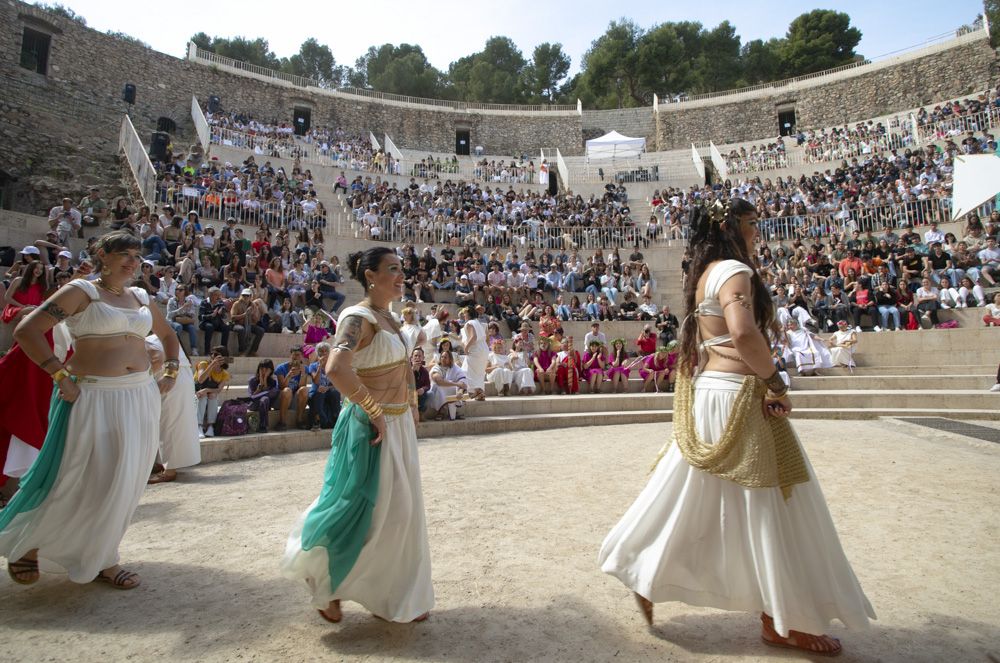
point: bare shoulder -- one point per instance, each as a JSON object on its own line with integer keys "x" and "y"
{"x": 353, "y": 333}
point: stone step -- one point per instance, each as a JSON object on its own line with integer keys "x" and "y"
{"x": 893, "y": 382}
{"x": 246, "y": 446}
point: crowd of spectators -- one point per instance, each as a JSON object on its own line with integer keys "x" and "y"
{"x": 468, "y": 213}
{"x": 882, "y": 281}
{"x": 766, "y": 156}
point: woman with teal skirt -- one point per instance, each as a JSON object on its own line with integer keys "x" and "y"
{"x": 364, "y": 539}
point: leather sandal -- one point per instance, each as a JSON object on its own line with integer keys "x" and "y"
{"x": 19, "y": 568}
{"x": 124, "y": 580}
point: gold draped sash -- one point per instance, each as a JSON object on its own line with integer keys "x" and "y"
{"x": 754, "y": 451}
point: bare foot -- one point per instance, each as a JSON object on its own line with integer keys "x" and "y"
{"x": 646, "y": 606}
{"x": 822, "y": 645}
{"x": 422, "y": 617}
{"x": 332, "y": 613}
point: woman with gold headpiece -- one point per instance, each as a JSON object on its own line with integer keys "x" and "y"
{"x": 732, "y": 516}
{"x": 73, "y": 506}
{"x": 364, "y": 539}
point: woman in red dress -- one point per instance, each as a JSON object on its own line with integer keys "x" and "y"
{"x": 25, "y": 389}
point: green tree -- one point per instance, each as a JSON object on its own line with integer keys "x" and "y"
{"x": 761, "y": 61}
{"x": 62, "y": 10}
{"x": 992, "y": 10}
{"x": 818, "y": 40}
{"x": 495, "y": 74}
{"x": 402, "y": 69}
{"x": 549, "y": 66}
{"x": 719, "y": 58}
{"x": 611, "y": 66}
{"x": 315, "y": 61}
{"x": 670, "y": 60}
{"x": 253, "y": 51}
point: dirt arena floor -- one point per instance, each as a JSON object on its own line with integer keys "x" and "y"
{"x": 515, "y": 522}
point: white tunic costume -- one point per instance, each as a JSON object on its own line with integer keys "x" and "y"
{"x": 840, "y": 356}
{"x": 807, "y": 350}
{"x": 111, "y": 442}
{"x": 475, "y": 359}
{"x": 695, "y": 537}
{"x": 524, "y": 375}
{"x": 502, "y": 374}
{"x": 180, "y": 443}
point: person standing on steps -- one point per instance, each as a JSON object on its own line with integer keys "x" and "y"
{"x": 364, "y": 539}
{"x": 733, "y": 516}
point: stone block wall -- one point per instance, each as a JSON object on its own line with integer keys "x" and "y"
{"x": 939, "y": 76}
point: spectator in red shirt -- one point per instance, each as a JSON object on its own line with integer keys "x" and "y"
{"x": 646, "y": 341}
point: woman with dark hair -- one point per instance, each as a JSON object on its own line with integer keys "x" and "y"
{"x": 74, "y": 505}
{"x": 263, "y": 388}
{"x": 364, "y": 538}
{"x": 733, "y": 452}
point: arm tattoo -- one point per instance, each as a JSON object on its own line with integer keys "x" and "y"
{"x": 348, "y": 334}
{"x": 54, "y": 310}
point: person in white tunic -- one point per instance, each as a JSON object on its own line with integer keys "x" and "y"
{"x": 807, "y": 349}
{"x": 412, "y": 332}
{"x": 499, "y": 370}
{"x": 733, "y": 516}
{"x": 74, "y": 505}
{"x": 843, "y": 343}
{"x": 180, "y": 434}
{"x": 364, "y": 539}
{"x": 520, "y": 362}
{"x": 449, "y": 386}
{"x": 476, "y": 352}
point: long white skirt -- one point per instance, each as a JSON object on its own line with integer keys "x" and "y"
{"x": 180, "y": 445}
{"x": 392, "y": 576}
{"x": 475, "y": 369}
{"x": 20, "y": 456}
{"x": 691, "y": 536}
{"x": 111, "y": 442}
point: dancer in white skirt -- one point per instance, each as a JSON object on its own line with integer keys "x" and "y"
{"x": 364, "y": 538}
{"x": 74, "y": 505}
{"x": 733, "y": 516}
{"x": 476, "y": 352}
{"x": 180, "y": 440}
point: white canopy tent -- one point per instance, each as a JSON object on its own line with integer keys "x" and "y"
{"x": 613, "y": 145}
{"x": 976, "y": 180}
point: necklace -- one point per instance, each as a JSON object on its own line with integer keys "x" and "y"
{"x": 114, "y": 291}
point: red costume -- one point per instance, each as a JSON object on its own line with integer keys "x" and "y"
{"x": 25, "y": 389}
{"x": 568, "y": 373}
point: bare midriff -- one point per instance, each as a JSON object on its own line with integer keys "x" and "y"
{"x": 108, "y": 356}
{"x": 387, "y": 384}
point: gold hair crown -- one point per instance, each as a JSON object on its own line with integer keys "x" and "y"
{"x": 718, "y": 211}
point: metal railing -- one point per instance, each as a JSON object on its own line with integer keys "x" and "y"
{"x": 200, "y": 124}
{"x": 138, "y": 160}
{"x": 196, "y": 53}
{"x": 219, "y": 206}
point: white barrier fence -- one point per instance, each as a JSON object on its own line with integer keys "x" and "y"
{"x": 138, "y": 161}
{"x": 200, "y": 124}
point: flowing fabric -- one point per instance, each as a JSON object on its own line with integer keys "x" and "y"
{"x": 694, "y": 537}
{"x": 37, "y": 482}
{"x": 340, "y": 519}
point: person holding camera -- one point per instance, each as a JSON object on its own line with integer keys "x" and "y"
{"x": 324, "y": 399}
{"x": 212, "y": 318}
{"x": 65, "y": 220}
{"x": 291, "y": 384}
{"x": 210, "y": 378}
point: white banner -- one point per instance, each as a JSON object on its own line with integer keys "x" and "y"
{"x": 699, "y": 165}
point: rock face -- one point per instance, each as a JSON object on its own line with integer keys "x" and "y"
{"x": 59, "y": 129}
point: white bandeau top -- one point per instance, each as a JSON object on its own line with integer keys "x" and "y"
{"x": 710, "y": 306}
{"x": 103, "y": 319}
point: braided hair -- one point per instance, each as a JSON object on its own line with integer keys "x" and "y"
{"x": 716, "y": 235}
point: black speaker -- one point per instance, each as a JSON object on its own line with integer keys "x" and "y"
{"x": 158, "y": 146}
{"x": 214, "y": 104}
{"x": 129, "y": 94}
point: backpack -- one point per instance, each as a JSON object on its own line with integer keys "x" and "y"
{"x": 947, "y": 324}
{"x": 232, "y": 418}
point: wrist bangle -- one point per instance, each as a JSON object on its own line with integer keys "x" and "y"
{"x": 775, "y": 383}
{"x": 170, "y": 373}
{"x": 60, "y": 375}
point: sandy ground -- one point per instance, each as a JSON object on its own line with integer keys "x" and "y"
{"x": 515, "y": 524}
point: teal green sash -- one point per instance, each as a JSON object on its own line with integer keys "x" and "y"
{"x": 340, "y": 520}
{"x": 37, "y": 482}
